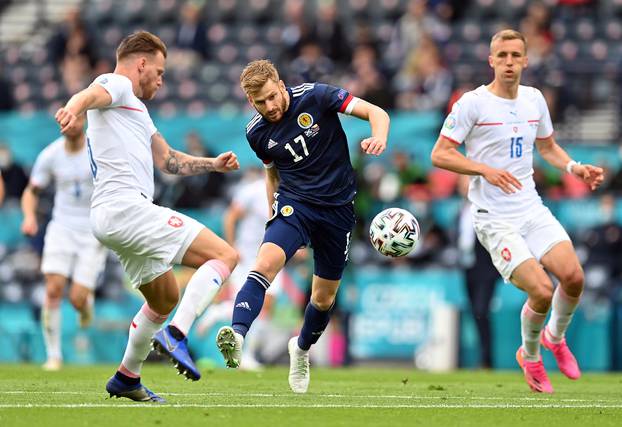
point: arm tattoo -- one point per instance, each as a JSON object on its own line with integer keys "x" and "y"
{"x": 182, "y": 164}
{"x": 172, "y": 164}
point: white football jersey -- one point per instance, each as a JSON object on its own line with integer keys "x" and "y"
{"x": 71, "y": 174}
{"x": 251, "y": 197}
{"x": 500, "y": 133}
{"x": 119, "y": 143}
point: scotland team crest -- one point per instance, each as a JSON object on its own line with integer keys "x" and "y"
{"x": 305, "y": 120}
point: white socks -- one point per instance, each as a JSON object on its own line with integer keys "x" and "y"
{"x": 531, "y": 326}
{"x": 50, "y": 321}
{"x": 563, "y": 308}
{"x": 201, "y": 290}
{"x": 144, "y": 325}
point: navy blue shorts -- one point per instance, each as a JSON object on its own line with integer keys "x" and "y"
{"x": 327, "y": 230}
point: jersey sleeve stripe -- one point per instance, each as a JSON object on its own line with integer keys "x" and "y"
{"x": 346, "y": 101}
{"x": 130, "y": 108}
{"x": 299, "y": 90}
{"x": 451, "y": 139}
{"x": 256, "y": 118}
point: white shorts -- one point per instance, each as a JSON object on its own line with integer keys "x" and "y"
{"x": 148, "y": 239}
{"x": 511, "y": 241}
{"x": 71, "y": 253}
{"x": 240, "y": 273}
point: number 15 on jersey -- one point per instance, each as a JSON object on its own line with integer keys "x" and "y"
{"x": 516, "y": 147}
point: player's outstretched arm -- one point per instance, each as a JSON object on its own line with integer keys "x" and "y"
{"x": 556, "y": 156}
{"x": 94, "y": 96}
{"x": 446, "y": 156}
{"x": 29, "y": 202}
{"x": 178, "y": 163}
{"x": 378, "y": 121}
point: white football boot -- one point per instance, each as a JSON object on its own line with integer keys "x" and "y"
{"x": 230, "y": 343}
{"x": 299, "y": 369}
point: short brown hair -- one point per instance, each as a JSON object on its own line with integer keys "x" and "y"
{"x": 256, "y": 74}
{"x": 508, "y": 34}
{"x": 140, "y": 42}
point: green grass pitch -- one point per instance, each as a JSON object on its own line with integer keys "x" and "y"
{"x": 75, "y": 396}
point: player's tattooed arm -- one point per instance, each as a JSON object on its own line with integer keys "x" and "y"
{"x": 178, "y": 163}
{"x": 175, "y": 162}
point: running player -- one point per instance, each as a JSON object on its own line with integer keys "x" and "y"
{"x": 500, "y": 124}
{"x": 70, "y": 250}
{"x": 311, "y": 186}
{"x": 124, "y": 145}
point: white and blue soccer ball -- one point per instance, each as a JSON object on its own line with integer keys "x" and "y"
{"x": 394, "y": 232}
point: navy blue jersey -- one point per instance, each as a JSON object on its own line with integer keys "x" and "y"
{"x": 308, "y": 146}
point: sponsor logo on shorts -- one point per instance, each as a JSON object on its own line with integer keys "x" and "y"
{"x": 287, "y": 210}
{"x": 506, "y": 254}
{"x": 175, "y": 221}
{"x": 305, "y": 120}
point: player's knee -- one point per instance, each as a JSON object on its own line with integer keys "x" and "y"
{"x": 543, "y": 294}
{"x": 78, "y": 299}
{"x": 53, "y": 292}
{"x": 230, "y": 257}
{"x": 572, "y": 280}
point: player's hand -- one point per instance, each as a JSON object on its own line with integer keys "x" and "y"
{"x": 502, "y": 179}
{"x": 65, "y": 119}
{"x": 591, "y": 175}
{"x": 30, "y": 226}
{"x": 226, "y": 162}
{"x": 373, "y": 145}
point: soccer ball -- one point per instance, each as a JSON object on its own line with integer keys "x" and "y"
{"x": 394, "y": 232}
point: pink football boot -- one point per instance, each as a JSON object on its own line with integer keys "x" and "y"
{"x": 535, "y": 374}
{"x": 563, "y": 356}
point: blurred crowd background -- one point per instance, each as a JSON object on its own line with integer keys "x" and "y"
{"x": 411, "y": 57}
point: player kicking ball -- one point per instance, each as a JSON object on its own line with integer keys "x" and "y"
{"x": 123, "y": 146}
{"x": 500, "y": 125}
{"x": 311, "y": 186}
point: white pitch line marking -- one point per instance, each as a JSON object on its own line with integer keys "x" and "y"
{"x": 284, "y": 405}
{"x": 336, "y": 396}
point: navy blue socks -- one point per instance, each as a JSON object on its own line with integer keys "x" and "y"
{"x": 249, "y": 301}
{"x": 314, "y": 324}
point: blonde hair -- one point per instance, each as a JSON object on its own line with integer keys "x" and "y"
{"x": 256, "y": 74}
{"x": 140, "y": 42}
{"x": 508, "y": 34}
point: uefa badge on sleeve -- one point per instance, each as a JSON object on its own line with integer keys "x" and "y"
{"x": 450, "y": 122}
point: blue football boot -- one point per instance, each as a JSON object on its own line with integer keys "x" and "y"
{"x": 138, "y": 392}
{"x": 177, "y": 350}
